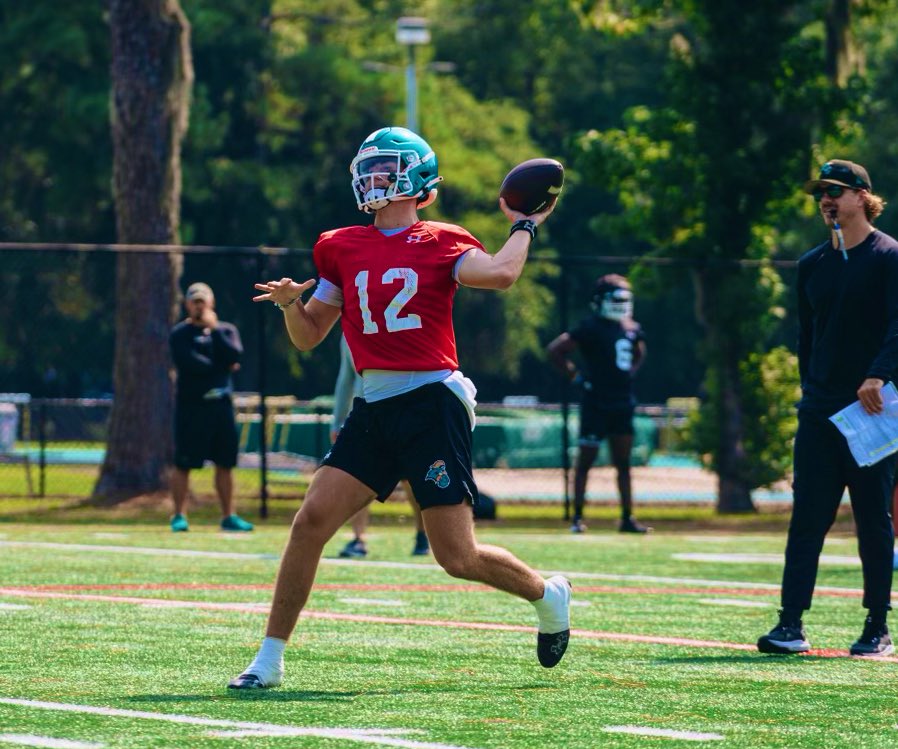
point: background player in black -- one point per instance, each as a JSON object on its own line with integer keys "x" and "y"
{"x": 612, "y": 348}
{"x": 847, "y": 350}
{"x": 205, "y": 352}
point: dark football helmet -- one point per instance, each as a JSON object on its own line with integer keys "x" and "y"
{"x": 612, "y": 297}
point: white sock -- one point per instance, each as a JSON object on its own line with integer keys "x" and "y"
{"x": 553, "y": 609}
{"x": 270, "y": 657}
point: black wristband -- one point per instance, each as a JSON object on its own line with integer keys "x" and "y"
{"x": 525, "y": 224}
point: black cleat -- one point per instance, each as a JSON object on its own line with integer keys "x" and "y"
{"x": 355, "y": 549}
{"x": 422, "y": 545}
{"x": 785, "y": 638}
{"x": 550, "y": 648}
{"x": 246, "y": 681}
{"x": 632, "y": 526}
{"x": 874, "y": 640}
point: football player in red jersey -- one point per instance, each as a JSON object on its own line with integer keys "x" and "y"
{"x": 392, "y": 284}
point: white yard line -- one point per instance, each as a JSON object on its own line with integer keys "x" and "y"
{"x": 23, "y": 739}
{"x": 375, "y": 736}
{"x": 665, "y": 733}
{"x": 152, "y": 551}
{"x": 149, "y": 551}
{"x": 735, "y": 602}
{"x": 829, "y": 559}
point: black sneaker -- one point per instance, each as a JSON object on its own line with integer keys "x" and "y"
{"x": 786, "y": 637}
{"x": 578, "y": 526}
{"x": 422, "y": 545}
{"x": 874, "y": 640}
{"x": 355, "y": 549}
{"x": 629, "y": 525}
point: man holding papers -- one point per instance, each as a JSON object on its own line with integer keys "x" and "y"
{"x": 847, "y": 351}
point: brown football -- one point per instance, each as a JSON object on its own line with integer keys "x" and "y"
{"x": 532, "y": 185}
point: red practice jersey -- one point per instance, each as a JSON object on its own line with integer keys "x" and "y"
{"x": 397, "y": 292}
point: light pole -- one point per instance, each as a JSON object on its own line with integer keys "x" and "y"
{"x": 411, "y": 31}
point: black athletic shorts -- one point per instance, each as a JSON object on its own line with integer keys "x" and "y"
{"x": 598, "y": 422}
{"x": 205, "y": 430}
{"x": 423, "y": 436}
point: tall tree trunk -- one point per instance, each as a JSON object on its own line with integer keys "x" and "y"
{"x": 843, "y": 58}
{"x": 722, "y": 355}
{"x": 733, "y": 490}
{"x": 152, "y": 76}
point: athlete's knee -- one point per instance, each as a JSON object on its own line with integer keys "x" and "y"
{"x": 309, "y": 523}
{"x": 458, "y": 565}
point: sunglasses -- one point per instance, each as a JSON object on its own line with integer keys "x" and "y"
{"x": 834, "y": 191}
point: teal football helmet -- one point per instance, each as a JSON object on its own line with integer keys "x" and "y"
{"x": 394, "y": 163}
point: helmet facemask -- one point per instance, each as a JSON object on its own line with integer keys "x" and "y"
{"x": 394, "y": 164}
{"x": 614, "y": 303}
{"x": 617, "y": 305}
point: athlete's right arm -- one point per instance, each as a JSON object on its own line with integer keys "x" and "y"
{"x": 307, "y": 324}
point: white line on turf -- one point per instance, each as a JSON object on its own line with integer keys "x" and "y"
{"x": 361, "y": 735}
{"x": 735, "y": 602}
{"x": 664, "y": 733}
{"x": 373, "y": 601}
{"x": 760, "y": 558}
{"x": 404, "y": 621}
{"x": 367, "y": 731}
{"x": 145, "y": 550}
{"x": 14, "y": 606}
{"x": 21, "y": 739}
{"x": 109, "y": 549}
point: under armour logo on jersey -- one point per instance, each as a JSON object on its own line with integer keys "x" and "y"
{"x": 413, "y": 238}
{"x": 437, "y": 474}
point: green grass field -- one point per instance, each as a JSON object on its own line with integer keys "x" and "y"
{"x": 124, "y": 635}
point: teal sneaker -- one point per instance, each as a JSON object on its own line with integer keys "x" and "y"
{"x": 235, "y": 523}
{"x": 179, "y": 523}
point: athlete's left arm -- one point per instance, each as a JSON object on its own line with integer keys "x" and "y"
{"x": 484, "y": 271}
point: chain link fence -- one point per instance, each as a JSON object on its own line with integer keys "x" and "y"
{"x": 53, "y": 422}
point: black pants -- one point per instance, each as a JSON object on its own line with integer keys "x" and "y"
{"x": 824, "y": 467}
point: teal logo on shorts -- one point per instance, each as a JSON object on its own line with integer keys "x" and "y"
{"x": 437, "y": 474}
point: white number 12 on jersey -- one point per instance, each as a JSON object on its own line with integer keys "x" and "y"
{"x": 391, "y": 313}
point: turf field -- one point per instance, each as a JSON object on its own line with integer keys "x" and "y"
{"x": 124, "y": 635}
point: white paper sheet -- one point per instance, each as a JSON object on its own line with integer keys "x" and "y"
{"x": 870, "y": 437}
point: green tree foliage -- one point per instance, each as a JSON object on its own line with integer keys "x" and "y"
{"x": 771, "y": 387}
{"x": 55, "y": 165}
{"x": 706, "y": 177}
{"x": 56, "y": 152}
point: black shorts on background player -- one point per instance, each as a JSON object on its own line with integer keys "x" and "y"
{"x": 205, "y": 430}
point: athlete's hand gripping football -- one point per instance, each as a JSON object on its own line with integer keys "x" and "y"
{"x": 536, "y": 218}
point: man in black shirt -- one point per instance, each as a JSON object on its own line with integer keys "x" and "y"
{"x": 612, "y": 348}
{"x": 847, "y": 351}
{"x": 205, "y": 352}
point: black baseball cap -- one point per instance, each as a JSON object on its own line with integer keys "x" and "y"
{"x": 840, "y": 172}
